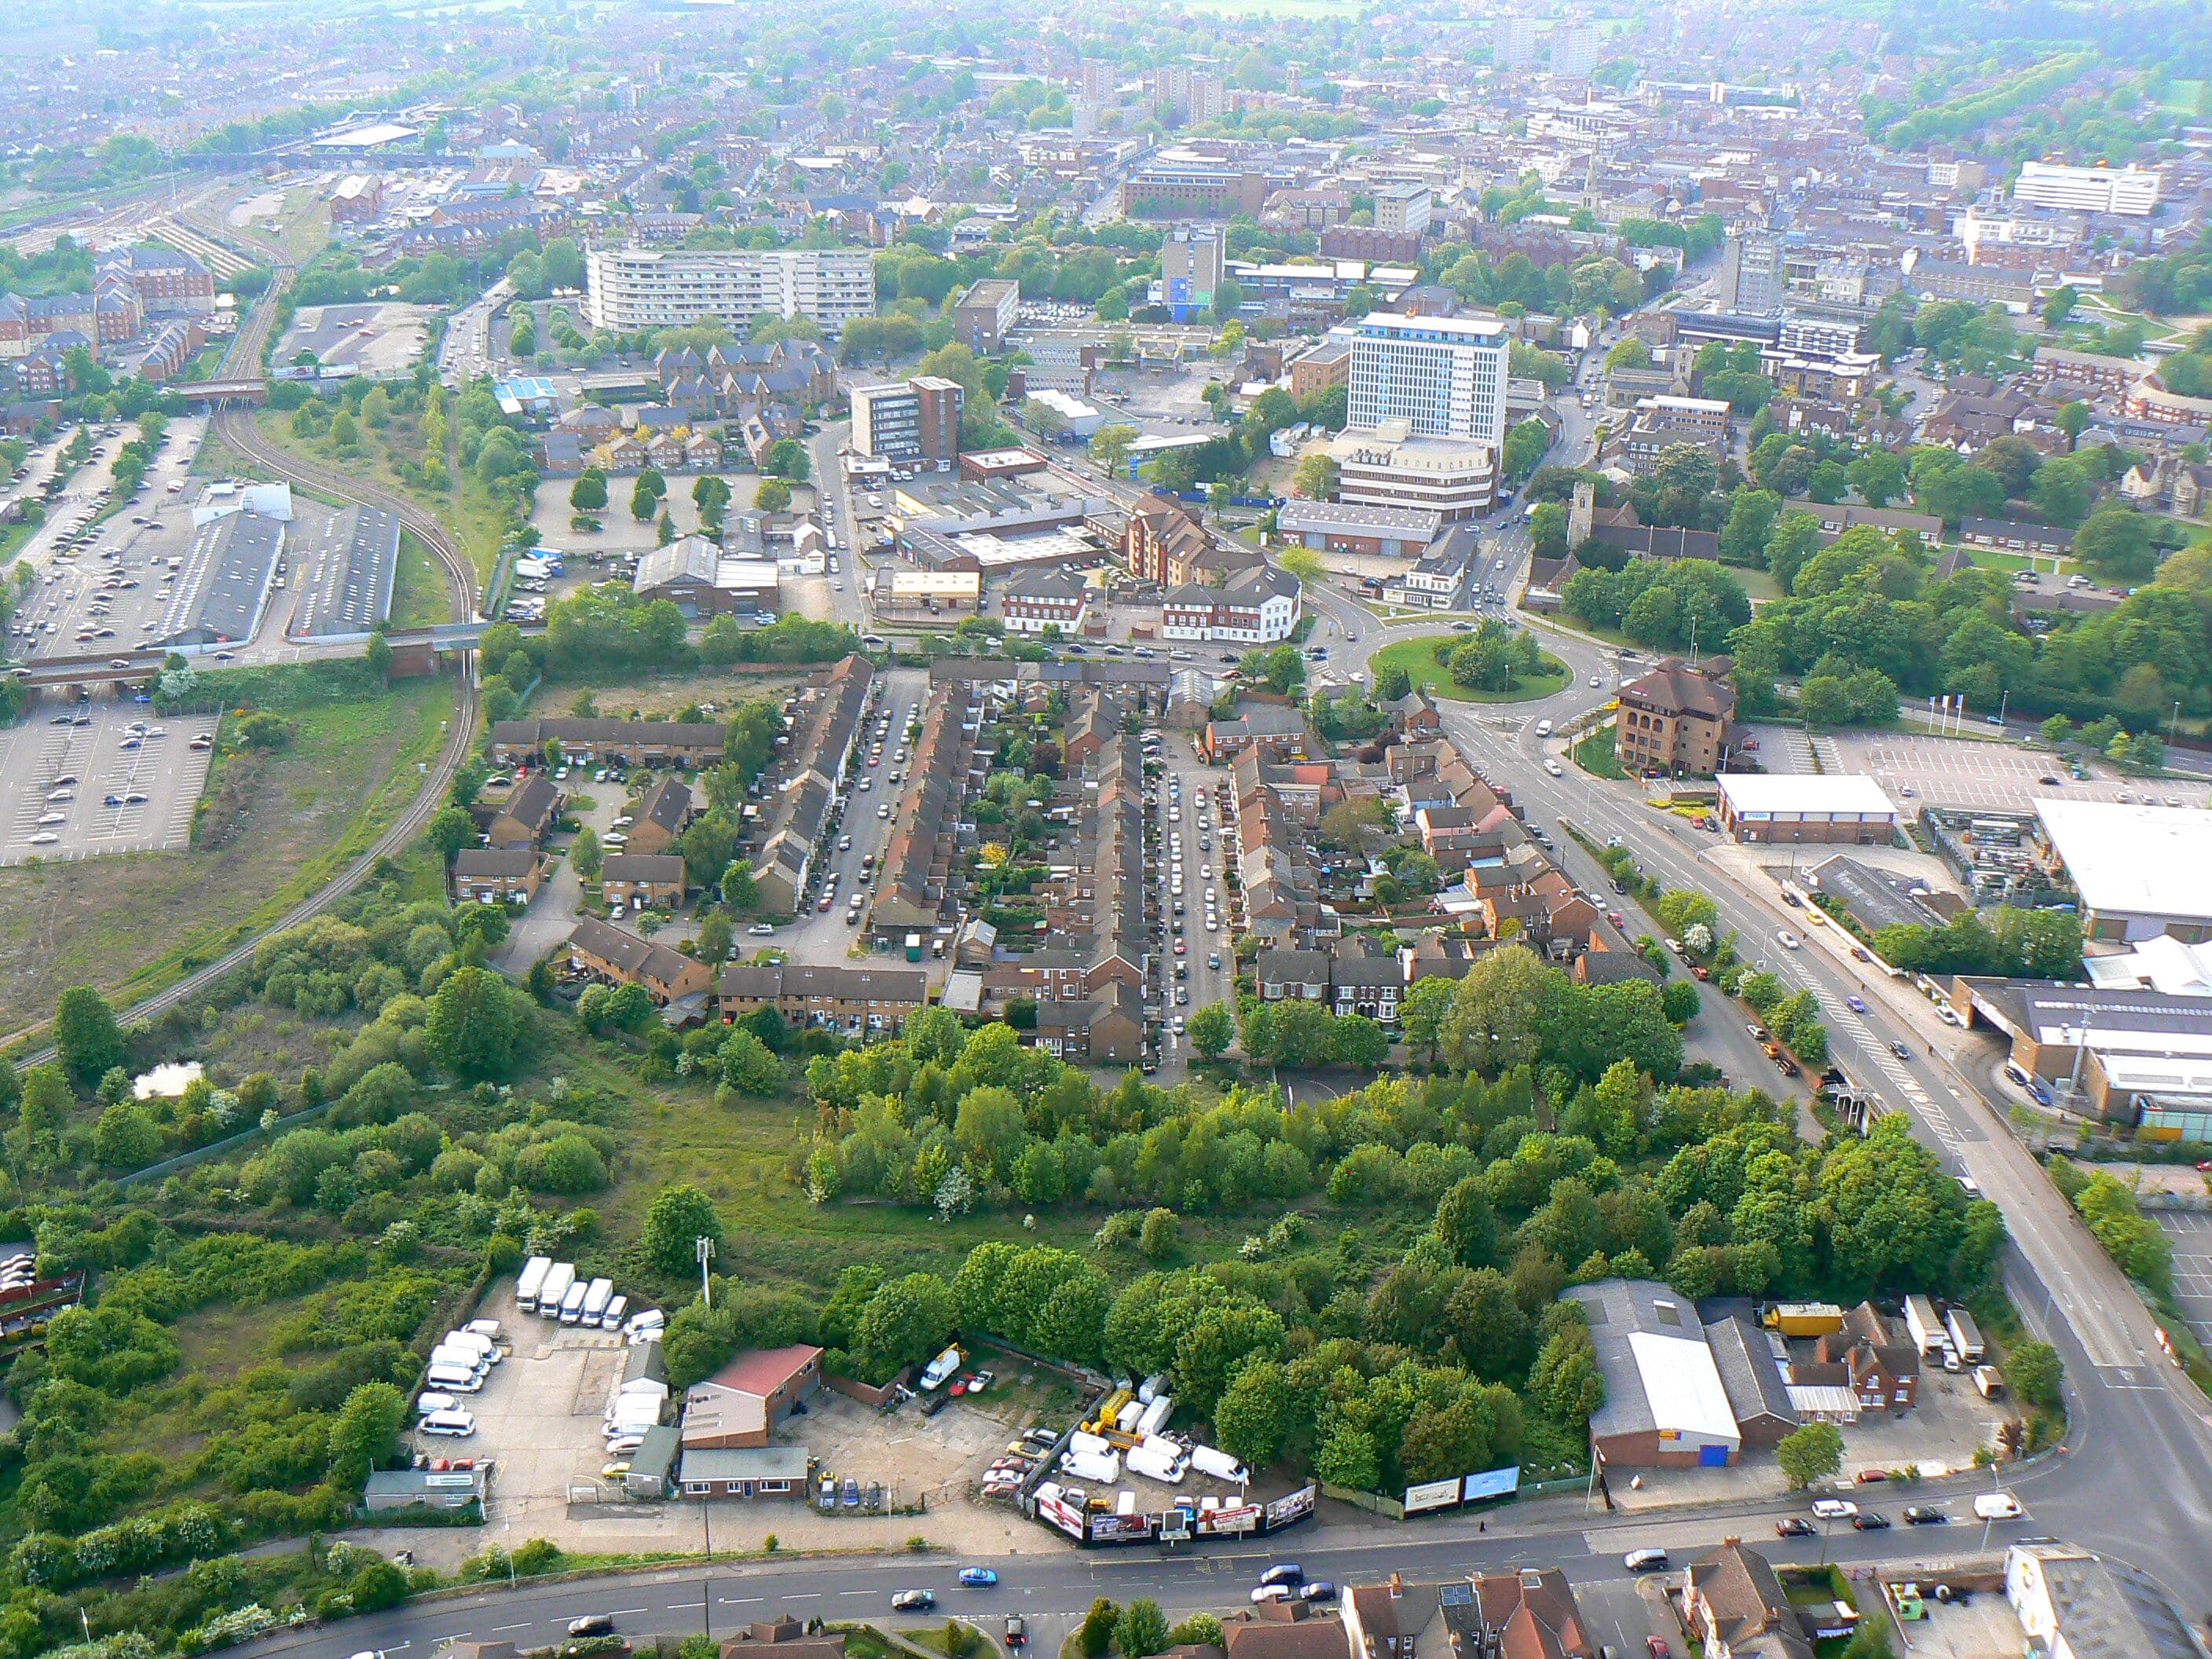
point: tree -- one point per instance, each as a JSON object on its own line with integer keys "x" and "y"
{"x": 1109, "y": 447}
{"x": 1811, "y": 1453}
{"x": 739, "y": 891}
{"x": 680, "y": 1215}
{"x": 587, "y": 855}
{"x": 477, "y": 1020}
{"x": 1211, "y": 1030}
{"x": 363, "y": 1433}
{"x": 1318, "y": 477}
{"x": 1252, "y": 1419}
{"x": 2032, "y": 1368}
{"x": 1096, "y": 1634}
{"x": 715, "y": 937}
{"x": 1142, "y": 1629}
{"x": 87, "y": 1039}
{"x": 2117, "y": 540}
{"x": 125, "y": 1138}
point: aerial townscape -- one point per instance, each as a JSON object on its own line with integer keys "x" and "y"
{"x": 1146, "y": 830}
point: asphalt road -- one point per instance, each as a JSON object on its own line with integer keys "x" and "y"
{"x": 1052, "y": 1589}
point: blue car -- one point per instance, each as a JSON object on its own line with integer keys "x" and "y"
{"x": 978, "y": 1577}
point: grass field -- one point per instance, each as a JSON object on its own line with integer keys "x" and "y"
{"x": 273, "y": 828}
{"x": 1417, "y": 658}
{"x": 1595, "y": 755}
{"x": 419, "y": 599}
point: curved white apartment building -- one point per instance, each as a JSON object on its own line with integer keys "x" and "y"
{"x": 629, "y": 288}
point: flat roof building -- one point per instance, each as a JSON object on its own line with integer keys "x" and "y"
{"x": 1850, "y": 808}
{"x": 2140, "y": 870}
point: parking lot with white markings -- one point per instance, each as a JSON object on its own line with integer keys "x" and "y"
{"x": 98, "y": 778}
{"x": 1966, "y": 773}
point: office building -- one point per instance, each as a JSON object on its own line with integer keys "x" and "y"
{"x": 630, "y": 288}
{"x": 1574, "y": 50}
{"x": 2129, "y": 189}
{"x": 1190, "y": 267}
{"x": 1402, "y": 209}
{"x": 1752, "y": 280}
{"x": 985, "y": 315}
{"x": 1444, "y": 377}
{"x": 1386, "y": 466}
{"x": 1675, "y": 720}
{"x": 916, "y": 420}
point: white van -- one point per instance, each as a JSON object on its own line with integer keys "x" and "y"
{"x": 456, "y": 1423}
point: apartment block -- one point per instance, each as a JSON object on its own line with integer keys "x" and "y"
{"x": 630, "y": 288}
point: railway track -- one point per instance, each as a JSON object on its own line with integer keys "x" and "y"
{"x": 237, "y": 430}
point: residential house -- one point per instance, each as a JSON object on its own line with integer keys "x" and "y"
{"x": 657, "y": 822}
{"x": 618, "y": 957}
{"x": 1735, "y": 1605}
{"x": 531, "y": 810}
{"x": 486, "y": 874}
{"x": 642, "y": 879}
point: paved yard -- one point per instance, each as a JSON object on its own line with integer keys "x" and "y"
{"x": 2190, "y": 1233}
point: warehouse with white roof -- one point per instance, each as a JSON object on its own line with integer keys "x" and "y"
{"x": 2140, "y": 870}
{"x": 1849, "y": 808}
{"x": 1670, "y": 1402}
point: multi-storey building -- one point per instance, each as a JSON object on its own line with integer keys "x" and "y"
{"x": 2129, "y": 189}
{"x": 986, "y": 313}
{"x": 1574, "y": 50}
{"x": 1753, "y": 278}
{"x": 1675, "y": 719}
{"x": 1403, "y": 209}
{"x": 1444, "y": 377}
{"x": 1385, "y": 466}
{"x": 916, "y": 420}
{"x": 1257, "y": 605}
{"x": 631, "y": 289}
{"x": 168, "y": 282}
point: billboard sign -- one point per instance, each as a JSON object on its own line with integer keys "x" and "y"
{"x": 1120, "y": 1528}
{"x": 1432, "y": 1495}
{"x": 1496, "y": 1483}
{"x": 1215, "y": 1523}
{"x": 1065, "y": 1516}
